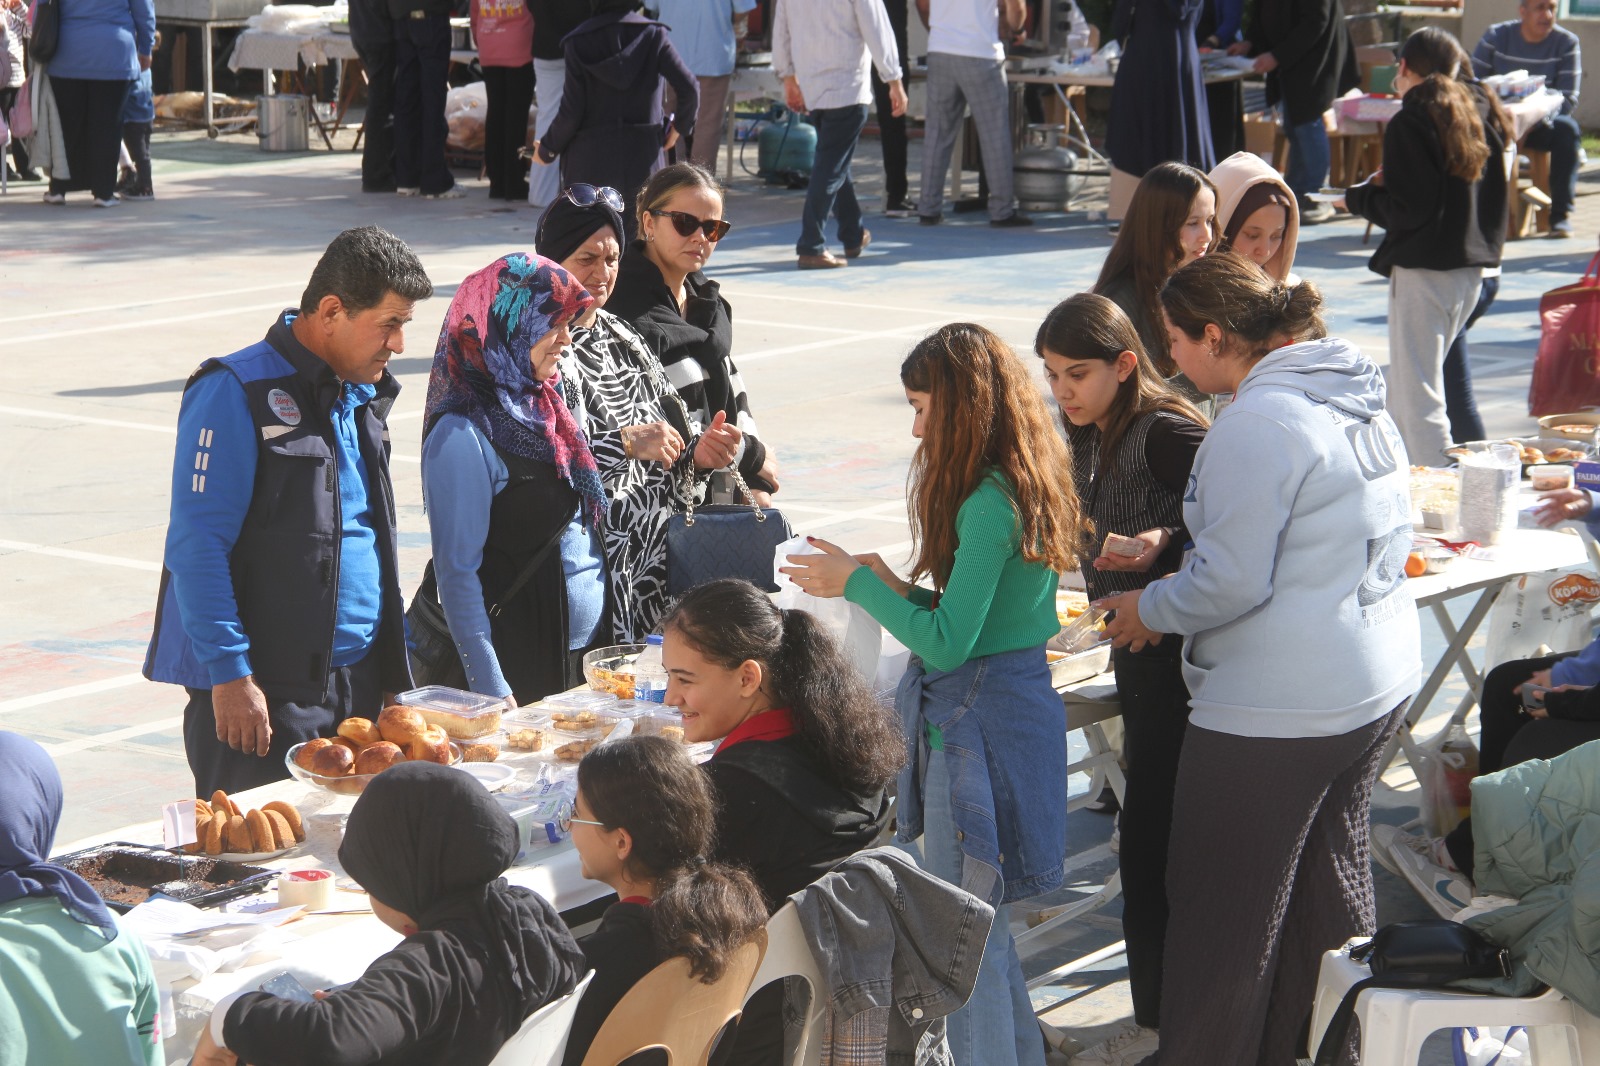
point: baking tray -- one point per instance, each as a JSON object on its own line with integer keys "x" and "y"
{"x": 205, "y": 881}
{"x": 1079, "y": 666}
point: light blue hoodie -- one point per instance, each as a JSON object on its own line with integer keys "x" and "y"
{"x": 1297, "y": 617}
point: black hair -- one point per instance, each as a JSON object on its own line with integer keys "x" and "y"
{"x": 362, "y": 266}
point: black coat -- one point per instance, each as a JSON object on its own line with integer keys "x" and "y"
{"x": 1316, "y": 57}
{"x": 1432, "y": 220}
{"x": 1158, "y": 100}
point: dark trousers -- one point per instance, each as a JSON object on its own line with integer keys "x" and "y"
{"x": 892, "y": 130}
{"x": 1562, "y": 138}
{"x": 830, "y": 190}
{"x": 377, "y": 126}
{"x": 19, "y": 151}
{"x": 421, "y": 70}
{"x": 91, "y": 124}
{"x": 1264, "y": 875}
{"x": 1155, "y": 715}
{"x": 505, "y": 129}
{"x": 354, "y": 690}
{"x": 136, "y": 136}
{"x": 1460, "y": 406}
{"x": 1509, "y": 737}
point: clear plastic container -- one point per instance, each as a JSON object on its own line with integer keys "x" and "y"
{"x": 460, "y": 713}
{"x": 660, "y": 724}
{"x": 581, "y": 698}
{"x": 487, "y": 748}
{"x": 649, "y": 675}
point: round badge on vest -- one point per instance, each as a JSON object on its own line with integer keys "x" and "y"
{"x": 284, "y": 407}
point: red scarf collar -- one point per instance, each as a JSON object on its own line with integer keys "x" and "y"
{"x": 643, "y": 901}
{"x": 768, "y": 725}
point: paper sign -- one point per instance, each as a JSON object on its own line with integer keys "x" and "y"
{"x": 168, "y": 917}
{"x": 177, "y": 823}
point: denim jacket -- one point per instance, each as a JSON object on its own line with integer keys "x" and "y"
{"x": 1003, "y": 729}
{"x": 898, "y": 949}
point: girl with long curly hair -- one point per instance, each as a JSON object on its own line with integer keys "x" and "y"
{"x": 995, "y": 520}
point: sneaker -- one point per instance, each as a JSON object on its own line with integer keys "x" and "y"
{"x": 930, "y": 220}
{"x": 110, "y": 201}
{"x": 1313, "y": 213}
{"x": 55, "y": 198}
{"x": 1105, "y": 803}
{"x": 138, "y": 194}
{"x": 899, "y": 209}
{"x": 1016, "y": 218}
{"x": 407, "y": 190}
{"x": 1129, "y": 1045}
{"x": 454, "y": 192}
{"x": 1561, "y": 229}
{"x": 1116, "y": 836}
{"x": 1414, "y": 859}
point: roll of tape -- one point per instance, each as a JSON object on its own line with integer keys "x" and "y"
{"x": 312, "y": 889}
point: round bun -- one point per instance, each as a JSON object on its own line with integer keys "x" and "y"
{"x": 401, "y": 725}
{"x": 308, "y": 751}
{"x": 360, "y": 730}
{"x": 335, "y": 760}
{"x": 432, "y": 746}
{"x": 376, "y": 758}
{"x": 346, "y": 742}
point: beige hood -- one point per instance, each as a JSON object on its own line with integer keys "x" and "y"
{"x": 1232, "y": 177}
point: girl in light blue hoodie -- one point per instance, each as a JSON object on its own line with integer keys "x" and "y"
{"x": 1300, "y": 647}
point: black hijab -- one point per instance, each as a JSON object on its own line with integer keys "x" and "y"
{"x": 564, "y": 226}
{"x": 429, "y": 841}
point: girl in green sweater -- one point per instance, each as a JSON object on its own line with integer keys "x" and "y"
{"x": 994, "y": 519}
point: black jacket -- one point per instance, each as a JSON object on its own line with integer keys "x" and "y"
{"x": 1316, "y": 57}
{"x": 1432, "y": 220}
{"x": 553, "y": 20}
{"x": 620, "y": 951}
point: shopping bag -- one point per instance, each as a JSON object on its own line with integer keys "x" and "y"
{"x": 1445, "y": 771}
{"x": 1566, "y": 370}
{"x": 22, "y": 113}
{"x": 857, "y": 632}
{"x": 1541, "y": 610}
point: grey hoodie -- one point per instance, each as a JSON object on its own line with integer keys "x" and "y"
{"x": 1293, "y": 601}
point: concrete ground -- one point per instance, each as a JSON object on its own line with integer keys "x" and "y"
{"x": 103, "y": 314}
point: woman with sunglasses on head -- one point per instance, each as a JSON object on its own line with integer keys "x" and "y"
{"x": 662, "y": 291}
{"x": 644, "y": 823}
{"x": 643, "y": 439}
{"x": 513, "y": 496}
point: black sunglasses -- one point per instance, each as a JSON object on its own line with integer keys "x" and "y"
{"x": 714, "y": 228}
{"x": 581, "y": 195}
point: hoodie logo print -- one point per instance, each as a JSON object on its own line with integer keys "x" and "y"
{"x": 1374, "y": 451}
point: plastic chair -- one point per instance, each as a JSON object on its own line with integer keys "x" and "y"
{"x": 1394, "y": 1022}
{"x": 542, "y": 1040}
{"x": 789, "y": 955}
{"x": 677, "y": 1013}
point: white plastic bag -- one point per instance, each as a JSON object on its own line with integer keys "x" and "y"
{"x": 855, "y": 630}
{"x": 1549, "y": 609}
{"x": 1445, "y": 772}
{"x": 1490, "y": 1046}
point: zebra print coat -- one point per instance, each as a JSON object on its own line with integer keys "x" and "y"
{"x": 619, "y": 382}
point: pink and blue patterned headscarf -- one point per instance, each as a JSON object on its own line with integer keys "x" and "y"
{"x": 482, "y": 370}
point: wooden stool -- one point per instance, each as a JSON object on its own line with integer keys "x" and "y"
{"x": 1539, "y": 174}
{"x": 1530, "y": 210}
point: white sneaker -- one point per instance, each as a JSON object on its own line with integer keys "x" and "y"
{"x": 408, "y": 190}
{"x": 454, "y": 192}
{"x": 1413, "y": 858}
{"x": 1129, "y": 1045}
{"x": 1116, "y": 835}
{"x": 110, "y": 201}
{"x": 55, "y": 199}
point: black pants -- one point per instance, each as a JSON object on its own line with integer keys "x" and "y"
{"x": 377, "y": 126}
{"x": 91, "y": 124}
{"x": 892, "y": 130}
{"x": 421, "y": 72}
{"x": 1460, "y": 405}
{"x": 136, "y": 135}
{"x": 1155, "y": 716}
{"x": 505, "y": 129}
{"x": 19, "y": 151}
{"x": 354, "y": 690}
{"x": 1508, "y": 737}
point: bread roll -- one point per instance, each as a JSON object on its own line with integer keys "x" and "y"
{"x": 432, "y": 746}
{"x": 212, "y": 837}
{"x": 290, "y": 815}
{"x": 401, "y": 725}
{"x": 346, "y": 742}
{"x": 376, "y": 758}
{"x": 335, "y": 760}
{"x": 261, "y": 838}
{"x": 360, "y": 730}
{"x": 282, "y": 835}
{"x": 236, "y": 835}
{"x": 302, "y": 758}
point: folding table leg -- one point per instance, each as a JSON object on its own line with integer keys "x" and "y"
{"x": 1454, "y": 655}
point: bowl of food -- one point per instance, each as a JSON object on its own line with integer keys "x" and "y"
{"x": 1575, "y": 425}
{"x": 611, "y": 669}
{"x": 364, "y": 749}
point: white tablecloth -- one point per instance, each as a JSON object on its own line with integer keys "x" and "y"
{"x": 260, "y": 50}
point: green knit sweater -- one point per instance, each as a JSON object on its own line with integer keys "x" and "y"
{"x": 994, "y": 602}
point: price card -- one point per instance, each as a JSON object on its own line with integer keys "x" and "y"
{"x": 177, "y": 823}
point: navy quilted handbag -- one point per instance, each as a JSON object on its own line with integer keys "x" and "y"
{"x": 724, "y": 540}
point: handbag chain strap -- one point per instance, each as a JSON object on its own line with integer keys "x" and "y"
{"x": 686, "y": 493}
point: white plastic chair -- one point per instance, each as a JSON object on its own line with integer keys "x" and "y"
{"x": 789, "y": 955}
{"x": 1394, "y": 1022}
{"x": 542, "y": 1040}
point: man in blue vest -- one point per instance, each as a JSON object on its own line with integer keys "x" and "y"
{"x": 280, "y": 608}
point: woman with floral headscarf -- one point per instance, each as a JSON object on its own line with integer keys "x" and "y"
{"x": 509, "y": 483}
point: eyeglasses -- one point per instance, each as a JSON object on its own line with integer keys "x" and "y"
{"x": 581, "y": 195}
{"x": 568, "y": 822}
{"x": 714, "y": 228}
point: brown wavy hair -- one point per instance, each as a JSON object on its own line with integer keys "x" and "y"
{"x": 703, "y": 911}
{"x": 1449, "y": 93}
{"x": 985, "y": 415}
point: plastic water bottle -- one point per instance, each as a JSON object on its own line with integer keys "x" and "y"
{"x": 649, "y": 675}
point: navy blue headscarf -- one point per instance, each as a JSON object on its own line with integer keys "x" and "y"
{"x": 30, "y": 810}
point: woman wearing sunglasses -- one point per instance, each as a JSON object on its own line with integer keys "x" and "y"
{"x": 642, "y": 436}
{"x": 663, "y": 293}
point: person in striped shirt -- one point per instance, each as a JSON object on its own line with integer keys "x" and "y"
{"x": 1533, "y": 42}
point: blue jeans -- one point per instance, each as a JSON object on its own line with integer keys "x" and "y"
{"x": 1308, "y": 156}
{"x": 1562, "y": 138}
{"x": 998, "y": 1019}
{"x": 830, "y": 190}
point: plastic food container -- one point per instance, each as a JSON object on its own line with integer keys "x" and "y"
{"x": 460, "y": 713}
{"x": 580, "y": 699}
{"x": 659, "y": 724}
{"x": 1550, "y": 478}
{"x": 487, "y": 748}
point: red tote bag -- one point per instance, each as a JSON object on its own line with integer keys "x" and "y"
{"x": 1566, "y": 372}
